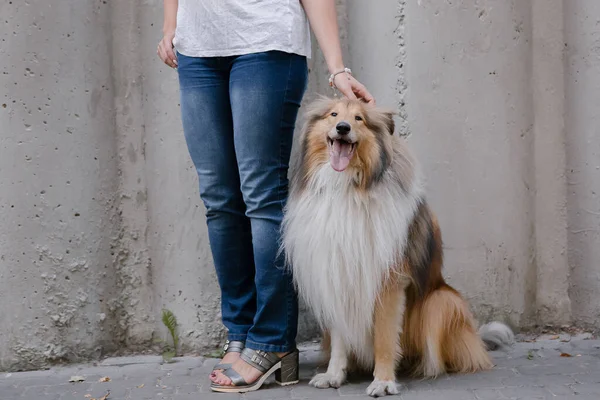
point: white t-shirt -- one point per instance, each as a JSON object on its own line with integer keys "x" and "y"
{"x": 220, "y": 28}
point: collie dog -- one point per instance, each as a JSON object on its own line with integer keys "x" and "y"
{"x": 365, "y": 251}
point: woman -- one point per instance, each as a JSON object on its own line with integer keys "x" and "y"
{"x": 242, "y": 69}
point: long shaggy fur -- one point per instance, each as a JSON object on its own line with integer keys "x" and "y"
{"x": 366, "y": 255}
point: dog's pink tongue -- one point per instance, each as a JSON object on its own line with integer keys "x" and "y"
{"x": 340, "y": 155}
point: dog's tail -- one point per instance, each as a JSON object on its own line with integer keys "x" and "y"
{"x": 496, "y": 335}
{"x": 440, "y": 332}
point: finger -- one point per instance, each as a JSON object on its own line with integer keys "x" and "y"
{"x": 171, "y": 55}
{"x": 161, "y": 53}
{"x": 165, "y": 58}
{"x": 347, "y": 91}
{"x": 362, "y": 92}
{"x": 368, "y": 98}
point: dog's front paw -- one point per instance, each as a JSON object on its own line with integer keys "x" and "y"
{"x": 324, "y": 381}
{"x": 381, "y": 388}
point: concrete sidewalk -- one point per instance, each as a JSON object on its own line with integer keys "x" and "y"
{"x": 550, "y": 368}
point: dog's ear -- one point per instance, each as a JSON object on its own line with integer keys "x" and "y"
{"x": 389, "y": 122}
{"x": 381, "y": 119}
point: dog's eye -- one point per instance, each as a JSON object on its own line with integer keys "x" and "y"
{"x": 358, "y": 118}
{"x": 334, "y": 114}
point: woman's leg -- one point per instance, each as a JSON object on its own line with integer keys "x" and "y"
{"x": 208, "y": 129}
{"x": 266, "y": 90}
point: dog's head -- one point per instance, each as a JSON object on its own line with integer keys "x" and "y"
{"x": 350, "y": 136}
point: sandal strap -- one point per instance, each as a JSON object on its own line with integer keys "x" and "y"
{"x": 234, "y": 346}
{"x": 261, "y": 360}
{"x": 222, "y": 366}
{"x": 231, "y": 346}
{"x": 236, "y": 379}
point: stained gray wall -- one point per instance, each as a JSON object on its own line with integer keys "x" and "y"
{"x": 582, "y": 120}
{"x": 58, "y": 175}
{"x": 102, "y": 226}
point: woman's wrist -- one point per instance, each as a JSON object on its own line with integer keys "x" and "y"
{"x": 333, "y": 76}
{"x": 336, "y": 66}
{"x": 169, "y": 29}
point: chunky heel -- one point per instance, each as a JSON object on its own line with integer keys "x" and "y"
{"x": 288, "y": 374}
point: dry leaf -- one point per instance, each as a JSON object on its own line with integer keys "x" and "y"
{"x": 87, "y": 396}
{"x": 141, "y": 386}
{"x": 77, "y": 379}
{"x": 105, "y": 379}
{"x": 104, "y": 397}
{"x": 555, "y": 337}
{"x": 565, "y": 355}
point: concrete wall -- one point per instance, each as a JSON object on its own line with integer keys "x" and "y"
{"x": 58, "y": 191}
{"x": 102, "y": 226}
{"x": 582, "y": 122}
{"x": 470, "y": 113}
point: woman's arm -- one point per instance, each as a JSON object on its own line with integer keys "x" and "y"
{"x": 165, "y": 47}
{"x": 322, "y": 16}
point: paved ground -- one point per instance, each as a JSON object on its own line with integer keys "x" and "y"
{"x": 533, "y": 370}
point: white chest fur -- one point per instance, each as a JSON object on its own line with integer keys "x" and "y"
{"x": 341, "y": 244}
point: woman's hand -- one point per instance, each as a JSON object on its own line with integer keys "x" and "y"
{"x": 165, "y": 47}
{"x": 165, "y": 50}
{"x": 351, "y": 88}
{"x": 322, "y": 16}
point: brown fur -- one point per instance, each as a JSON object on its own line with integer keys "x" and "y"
{"x": 419, "y": 318}
{"x": 387, "y": 323}
{"x": 437, "y": 314}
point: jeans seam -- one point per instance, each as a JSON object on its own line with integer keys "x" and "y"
{"x": 285, "y": 96}
{"x": 281, "y": 201}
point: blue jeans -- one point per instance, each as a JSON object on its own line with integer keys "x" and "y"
{"x": 238, "y": 118}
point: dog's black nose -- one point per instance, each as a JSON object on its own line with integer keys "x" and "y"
{"x": 343, "y": 128}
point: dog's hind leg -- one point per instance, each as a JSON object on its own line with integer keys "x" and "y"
{"x": 388, "y": 320}
{"x": 338, "y": 364}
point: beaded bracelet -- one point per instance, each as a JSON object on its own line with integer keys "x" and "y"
{"x": 332, "y": 76}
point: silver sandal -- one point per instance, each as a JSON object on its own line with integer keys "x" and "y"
{"x": 285, "y": 369}
{"x": 231, "y": 346}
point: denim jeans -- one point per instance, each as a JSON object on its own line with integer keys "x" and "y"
{"x": 238, "y": 118}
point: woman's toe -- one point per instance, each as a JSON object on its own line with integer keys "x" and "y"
{"x": 222, "y": 379}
